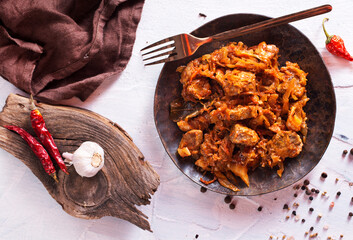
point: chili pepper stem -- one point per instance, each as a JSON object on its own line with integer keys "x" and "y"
{"x": 31, "y": 102}
{"x": 328, "y": 37}
{"x": 53, "y": 175}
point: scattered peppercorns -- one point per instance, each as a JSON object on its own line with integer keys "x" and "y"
{"x": 303, "y": 187}
{"x": 324, "y": 175}
{"x": 196, "y": 236}
{"x": 311, "y": 229}
{"x": 317, "y": 191}
{"x": 259, "y": 209}
{"x": 338, "y": 194}
{"x": 307, "y": 192}
{"x": 203, "y": 189}
{"x": 294, "y": 213}
{"x": 295, "y": 195}
{"x": 311, "y": 198}
{"x": 232, "y": 206}
{"x": 285, "y": 206}
{"x": 303, "y": 220}
{"x": 313, "y": 190}
{"x": 227, "y": 199}
{"x": 275, "y": 199}
{"x": 306, "y": 182}
{"x": 345, "y": 152}
{"x": 311, "y": 209}
{"x": 350, "y": 214}
{"x": 313, "y": 235}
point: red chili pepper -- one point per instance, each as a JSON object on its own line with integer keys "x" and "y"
{"x": 38, "y": 150}
{"x": 335, "y": 44}
{"x": 45, "y": 137}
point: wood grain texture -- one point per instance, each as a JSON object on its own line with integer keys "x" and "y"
{"x": 125, "y": 180}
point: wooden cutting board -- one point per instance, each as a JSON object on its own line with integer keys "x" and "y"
{"x": 125, "y": 180}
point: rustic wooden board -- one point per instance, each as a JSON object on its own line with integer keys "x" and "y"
{"x": 125, "y": 180}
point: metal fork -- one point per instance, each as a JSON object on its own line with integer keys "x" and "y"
{"x": 184, "y": 45}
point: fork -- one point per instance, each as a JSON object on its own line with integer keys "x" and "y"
{"x": 184, "y": 45}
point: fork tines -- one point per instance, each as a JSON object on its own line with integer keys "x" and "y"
{"x": 160, "y": 51}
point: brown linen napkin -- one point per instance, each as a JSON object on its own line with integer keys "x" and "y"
{"x": 58, "y": 49}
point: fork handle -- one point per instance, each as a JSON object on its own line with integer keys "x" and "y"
{"x": 273, "y": 22}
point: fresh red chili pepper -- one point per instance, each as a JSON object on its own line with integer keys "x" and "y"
{"x": 335, "y": 44}
{"x": 38, "y": 150}
{"x": 45, "y": 137}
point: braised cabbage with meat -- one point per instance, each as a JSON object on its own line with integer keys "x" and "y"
{"x": 252, "y": 114}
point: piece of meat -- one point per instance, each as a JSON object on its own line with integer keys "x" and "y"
{"x": 242, "y": 112}
{"x": 197, "y": 89}
{"x": 285, "y": 144}
{"x": 236, "y": 82}
{"x": 200, "y": 122}
{"x": 190, "y": 143}
{"x": 240, "y": 134}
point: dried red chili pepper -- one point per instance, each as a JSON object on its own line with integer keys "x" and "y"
{"x": 38, "y": 150}
{"x": 335, "y": 44}
{"x": 45, "y": 137}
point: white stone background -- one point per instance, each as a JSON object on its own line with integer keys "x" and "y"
{"x": 178, "y": 209}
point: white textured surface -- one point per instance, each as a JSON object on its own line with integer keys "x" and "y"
{"x": 178, "y": 209}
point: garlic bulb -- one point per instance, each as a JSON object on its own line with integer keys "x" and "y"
{"x": 88, "y": 159}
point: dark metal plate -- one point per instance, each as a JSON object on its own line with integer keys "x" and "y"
{"x": 321, "y": 109}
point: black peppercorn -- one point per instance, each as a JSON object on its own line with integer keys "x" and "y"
{"x": 350, "y": 214}
{"x": 232, "y": 206}
{"x": 311, "y": 209}
{"x": 203, "y": 189}
{"x": 313, "y": 190}
{"x": 306, "y": 182}
{"x": 196, "y": 236}
{"x": 227, "y": 199}
{"x": 308, "y": 192}
{"x": 352, "y": 199}
{"x": 294, "y": 213}
{"x": 351, "y": 151}
{"x": 259, "y": 209}
{"x": 312, "y": 228}
{"x": 303, "y": 220}
{"x": 275, "y": 199}
{"x": 285, "y": 206}
{"x": 317, "y": 191}
{"x": 324, "y": 175}
{"x": 338, "y": 193}
{"x": 311, "y": 198}
{"x": 345, "y": 152}
{"x": 303, "y": 187}
{"x": 295, "y": 195}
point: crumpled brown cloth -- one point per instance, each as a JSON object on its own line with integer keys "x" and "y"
{"x": 57, "y": 49}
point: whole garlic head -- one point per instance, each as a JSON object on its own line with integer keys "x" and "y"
{"x": 88, "y": 159}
